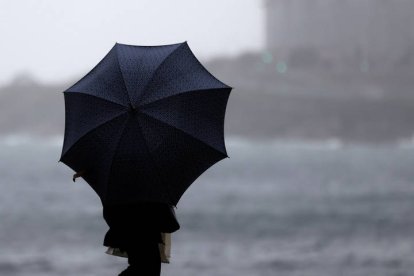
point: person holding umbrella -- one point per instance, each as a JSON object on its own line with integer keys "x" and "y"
{"x": 136, "y": 230}
{"x": 136, "y": 233}
{"x": 140, "y": 128}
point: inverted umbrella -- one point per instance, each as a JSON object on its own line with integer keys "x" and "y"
{"x": 145, "y": 123}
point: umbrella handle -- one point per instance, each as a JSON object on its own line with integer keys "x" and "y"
{"x": 77, "y": 174}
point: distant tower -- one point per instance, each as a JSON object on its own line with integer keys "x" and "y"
{"x": 379, "y": 32}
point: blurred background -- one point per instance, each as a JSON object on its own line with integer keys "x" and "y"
{"x": 319, "y": 129}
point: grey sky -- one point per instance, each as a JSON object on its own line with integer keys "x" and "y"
{"x": 58, "y": 40}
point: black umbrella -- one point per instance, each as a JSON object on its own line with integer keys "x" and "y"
{"x": 145, "y": 123}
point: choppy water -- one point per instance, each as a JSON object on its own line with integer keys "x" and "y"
{"x": 280, "y": 208}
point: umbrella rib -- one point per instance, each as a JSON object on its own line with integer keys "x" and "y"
{"x": 116, "y": 149}
{"x": 156, "y": 70}
{"x": 186, "y": 133}
{"x": 153, "y": 162}
{"x": 89, "y": 131}
{"x": 68, "y": 92}
{"x": 183, "y": 92}
{"x": 123, "y": 78}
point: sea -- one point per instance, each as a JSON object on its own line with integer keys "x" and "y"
{"x": 274, "y": 208}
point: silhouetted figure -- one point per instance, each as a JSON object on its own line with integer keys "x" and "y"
{"x": 136, "y": 229}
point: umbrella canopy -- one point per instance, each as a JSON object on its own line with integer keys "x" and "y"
{"x": 145, "y": 123}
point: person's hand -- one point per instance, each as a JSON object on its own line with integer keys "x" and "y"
{"x": 78, "y": 174}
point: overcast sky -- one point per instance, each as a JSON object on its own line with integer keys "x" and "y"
{"x": 59, "y": 40}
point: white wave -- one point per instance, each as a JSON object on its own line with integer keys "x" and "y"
{"x": 21, "y": 139}
{"x": 407, "y": 143}
{"x": 329, "y": 144}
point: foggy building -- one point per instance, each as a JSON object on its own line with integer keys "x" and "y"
{"x": 375, "y": 34}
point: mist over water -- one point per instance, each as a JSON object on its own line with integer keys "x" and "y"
{"x": 319, "y": 130}
{"x": 273, "y": 208}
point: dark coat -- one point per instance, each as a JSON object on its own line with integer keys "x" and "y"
{"x": 131, "y": 225}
